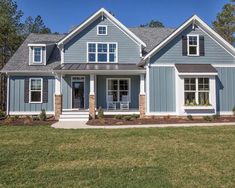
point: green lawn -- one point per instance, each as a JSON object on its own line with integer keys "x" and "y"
{"x": 40, "y": 156}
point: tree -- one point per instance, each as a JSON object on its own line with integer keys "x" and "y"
{"x": 225, "y": 22}
{"x": 10, "y": 39}
{"x": 153, "y": 23}
{"x": 35, "y": 26}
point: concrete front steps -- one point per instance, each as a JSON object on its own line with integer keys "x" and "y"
{"x": 74, "y": 116}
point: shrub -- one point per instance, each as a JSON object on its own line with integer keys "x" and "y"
{"x": 215, "y": 117}
{"x": 207, "y": 118}
{"x": 100, "y": 112}
{"x": 127, "y": 118}
{"x": 2, "y": 113}
{"x": 234, "y": 110}
{"x": 135, "y": 116}
{"x": 118, "y": 116}
{"x": 190, "y": 117}
{"x": 28, "y": 120}
{"x": 43, "y": 115}
{"x": 9, "y": 120}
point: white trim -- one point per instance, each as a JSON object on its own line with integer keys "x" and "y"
{"x": 147, "y": 89}
{"x": 118, "y": 90}
{"x": 225, "y": 65}
{"x": 161, "y": 113}
{"x": 58, "y": 84}
{"x": 182, "y": 27}
{"x": 96, "y": 52}
{"x": 177, "y": 82}
{"x": 114, "y": 112}
{"x": 142, "y": 84}
{"x": 197, "y": 74}
{"x": 71, "y": 81}
{"x": 33, "y": 58}
{"x": 198, "y": 107}
{"x": 36, "y": 45}
{"x": 225, "y": 113}
{"x": 102, "y": 26}
{"x": 8, "y": 94}
{"x": 92, "y": 84}
{"x": 102, "y": 72}
{"x": 62, "y": 55}
{"x": 162, "y": 65}
{"x": 30, "y": 79}
{"x": 100, "y": 12}
{"x": 29, "y": 112}
{"x": 197, "y": 46}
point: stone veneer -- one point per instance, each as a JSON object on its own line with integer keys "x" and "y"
{"x": 92, "y": 106}
{"x": 142, "y": 105}
{"x": 58, "y": 106}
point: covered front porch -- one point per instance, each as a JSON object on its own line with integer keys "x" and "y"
{"x": 117, "y": 92}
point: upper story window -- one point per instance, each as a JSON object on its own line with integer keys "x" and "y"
{"x": 37, "y": 55}
{"x": 102, "y": 52}
{"x": 102, "y": 30}
{"x": 193, "y": 45}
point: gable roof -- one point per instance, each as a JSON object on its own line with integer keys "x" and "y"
{"x": 193, "y": 20}
{"x": 101, "y": 12}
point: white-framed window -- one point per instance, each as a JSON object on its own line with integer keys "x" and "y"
{"x": 193, "y": 45}
{"x": 197, "y": 91}
{"x": 37, "y": 54}
{"x": 35, "y": 90}
{"x": 100, "y": 52}
{"x": 117, "y": 88}
{"x": 102, "y": 30}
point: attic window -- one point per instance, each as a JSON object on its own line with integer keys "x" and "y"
{"x": 193, "y": 45}
{"x": 102, "y": 30}
{"x": 37, "y": 54}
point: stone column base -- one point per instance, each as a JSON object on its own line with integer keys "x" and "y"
{"x": 58, "y": 106}
{"x": 142, "y": 105}
{"x": 92, "y": 106}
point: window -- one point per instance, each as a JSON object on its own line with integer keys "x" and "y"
{"x": 117, "y": 88}
{"x": 196, "y": 91}
{"x": 193, "y": 45}
{"x": 102, "y": 30}
{"x": 37, "y": 55}
{"x": 102, "y": 52}
{"x": 35, "y": 90}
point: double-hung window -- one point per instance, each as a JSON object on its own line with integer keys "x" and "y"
{"x": 117, "y": 88}
{"x": 37, "y": 55}
{"x": 35, "y": 90}
{"x": 102, "y": 52}
{"x": 196, "y": 91}
{"x": 193, "y": 45}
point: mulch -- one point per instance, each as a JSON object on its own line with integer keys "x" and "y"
{"x": 165, "y": 120}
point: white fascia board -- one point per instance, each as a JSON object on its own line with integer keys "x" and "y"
{"x": 102, "y": 11}
{"x": 182, "y": 27}
{"x": 197, "y": 74}
{"x": 37, "y": 45}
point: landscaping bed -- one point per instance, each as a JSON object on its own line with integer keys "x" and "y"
{"x": 158, "y": 120}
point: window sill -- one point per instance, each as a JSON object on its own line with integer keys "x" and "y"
{"x": 198, "y": 107}
{"x": 36, "y": 64}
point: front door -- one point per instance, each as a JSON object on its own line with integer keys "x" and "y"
{"x": 78, "y": 94}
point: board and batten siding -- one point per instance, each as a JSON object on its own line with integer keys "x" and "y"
{"x": 17, "y": 95}
{"x": 67, "y": 91}
{"x": 76, "y": 48}
{"x": 225, "y": 89}
{"x": 172, "y": 52}
{"x": 101, "y": 91}
{"x": 162, "y": 89}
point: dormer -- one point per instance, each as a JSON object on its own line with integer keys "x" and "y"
{"x": 39, "y": 52}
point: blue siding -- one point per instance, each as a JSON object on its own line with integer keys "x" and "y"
{"x": 17, "y": 93}
{"x": 101, "y": 90}
{"x": 76, "y": 49}
{"x": 66, "y": 91}
{"x": 162, "y": 89}
{"x": 225, "y": 89}
{"x": 172, "y": 53}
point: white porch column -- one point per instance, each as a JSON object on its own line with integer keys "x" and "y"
{"x": 58, "y": 85}
{"x": 142, "y": 83}
{"x": 92, "y": 102}
{"x": 142, "y": 97}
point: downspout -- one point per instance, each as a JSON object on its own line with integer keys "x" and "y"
{"x": 8, "y": 89}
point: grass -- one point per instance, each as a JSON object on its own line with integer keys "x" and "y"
{"x": 40, "y": 156}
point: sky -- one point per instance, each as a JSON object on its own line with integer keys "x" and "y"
{"x": 61, "y": 15}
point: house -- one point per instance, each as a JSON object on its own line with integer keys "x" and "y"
{"x": 102, "y": 63}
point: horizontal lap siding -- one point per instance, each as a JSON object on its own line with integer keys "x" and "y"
{"x": 67, "y": 95}
{"x": 162, "y": 89}
{"x": 17, "y": 93}
{"x": 101, "y": 90}
{"x": 225, "y": 89}
{"x": 172, "y": 53}
{"x": 76, "y": 49}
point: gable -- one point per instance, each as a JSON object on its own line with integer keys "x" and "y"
{"x": 75, "y": 50}
{"x": 215, "y": 53}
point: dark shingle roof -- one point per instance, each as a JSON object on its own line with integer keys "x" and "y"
{"x": 151, "y": 36}
{"x": 195, "y": 68}
{"x": 20, "y": 60}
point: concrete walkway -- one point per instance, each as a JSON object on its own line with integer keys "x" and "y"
{"x": 82, "y": 125}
